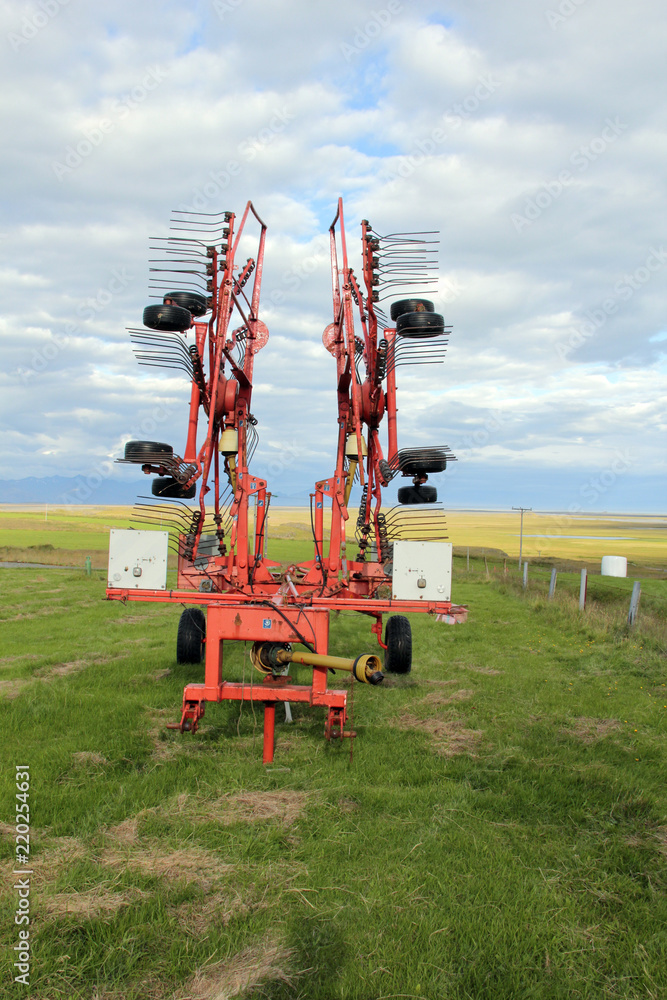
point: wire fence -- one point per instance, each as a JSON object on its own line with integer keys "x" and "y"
{"x": 613, "y": 604}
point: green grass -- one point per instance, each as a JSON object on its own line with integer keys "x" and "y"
{"x": 607, "y": 604}
{"x": 500, "y": 831}
{"x": 65, "y": 529}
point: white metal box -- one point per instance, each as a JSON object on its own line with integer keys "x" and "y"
{"x": 138, "y": 559}
{"x": 422, "y": 571}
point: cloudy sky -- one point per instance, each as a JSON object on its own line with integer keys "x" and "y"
{"x": 531, "y": 134}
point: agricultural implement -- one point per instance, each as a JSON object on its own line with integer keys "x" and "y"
{"x": 210, "y": 329}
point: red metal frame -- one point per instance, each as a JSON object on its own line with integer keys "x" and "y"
{"x": 247, "y": 596}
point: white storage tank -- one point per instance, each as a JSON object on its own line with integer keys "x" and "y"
{"x": 614, "y": 566}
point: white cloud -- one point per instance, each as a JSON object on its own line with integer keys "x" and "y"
{"x": 461, "y": 117}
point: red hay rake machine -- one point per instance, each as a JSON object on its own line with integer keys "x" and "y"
{"x": 402, "y": 563}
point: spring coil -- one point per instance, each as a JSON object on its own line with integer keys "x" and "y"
{"x": 361, "y": 518}
{"x": 197, "y": 370}
{"x": 381, "y": 370}
{"x": 385, "y": 544}
{"x": 250, "y": 264}
{"x": 188, "y": 549}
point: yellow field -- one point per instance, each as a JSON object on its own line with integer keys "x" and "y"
{"x": 586, "y": 538}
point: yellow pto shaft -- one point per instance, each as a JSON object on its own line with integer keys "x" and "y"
{"x": 266, "y": 656}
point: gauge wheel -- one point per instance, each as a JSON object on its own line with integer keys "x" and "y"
{"x": 147, "y": 451}
{"x": 192, "y": 301}
{"x": 417, "y": 494}
{"x": 420, "y": 325}
{"x": 165, "y": 317}
{"x": 409, "y": 306}
{"x": 171, "y": 489}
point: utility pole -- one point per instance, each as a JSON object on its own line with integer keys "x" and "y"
{"x": 523, "y": 510}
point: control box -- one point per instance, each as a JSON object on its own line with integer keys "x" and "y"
{"x": 138, "y": 559}
{"x": 422, "y": 571}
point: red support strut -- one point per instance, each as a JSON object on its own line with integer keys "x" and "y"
{"x": 269, "y": 731}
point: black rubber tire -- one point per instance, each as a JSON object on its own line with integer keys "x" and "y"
{"x": 417, "y": 494}
{"x": 409, "y": 306}
{"x": 191, "y": 636}
{"x": 147, "y": 450}
{"x": 172, "y": 318}
{"x": 192, "y": 301}
{"x": 420, "y": 325}
{"x": 171, "y": 489}
{"x": 398, "y": 640}
{"x": 423, "y": 461}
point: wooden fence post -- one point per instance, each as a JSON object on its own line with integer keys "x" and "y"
{"x": 468, "y": 560}
{"x": 633, "y": 613}
{"x": 525, "y": 575}
{"x": 486, "y": 566}
{"x": 552, "y": 583}
{"x": 583, "y": 589}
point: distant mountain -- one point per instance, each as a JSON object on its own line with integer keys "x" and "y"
{"x": 75, "y": 490}
{"x": 84, "y": 490}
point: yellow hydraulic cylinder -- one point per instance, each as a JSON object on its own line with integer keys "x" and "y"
{"x": 351, "y": 473}
{"x": 232, "y": 471}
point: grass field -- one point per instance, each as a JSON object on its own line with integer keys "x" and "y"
{"x": 500, "y": 831}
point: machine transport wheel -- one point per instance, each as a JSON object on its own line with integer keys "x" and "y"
{"x": 146, "y": 451}
{"x": 171, "y": 489}
{"x": 398, "y": 639}
{"x": 409, "y": 306}
{"x": 190, "y": 637}
{"x": 420, "y": 461}
{"x": 194, "y": 303}
{"x": 172, "y": 318}
{"x": 420, "y": 324}
{"x": 417, "y": 494}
